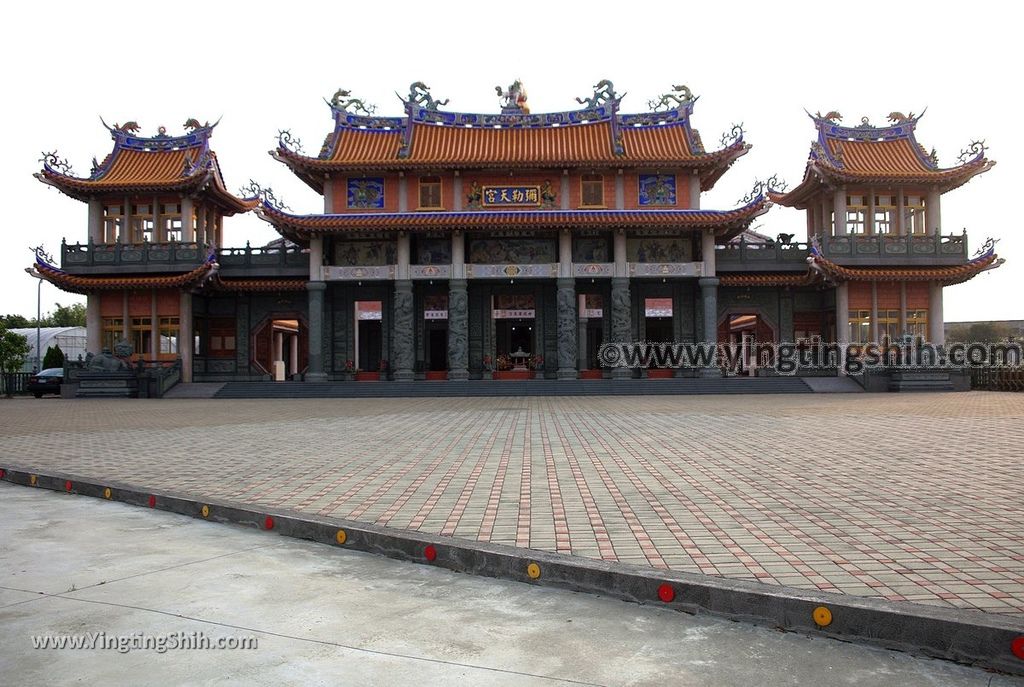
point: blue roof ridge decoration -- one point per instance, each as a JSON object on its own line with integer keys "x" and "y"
{"x": 901, "y": 127}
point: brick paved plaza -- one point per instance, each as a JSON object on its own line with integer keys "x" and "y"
{"x": 903, "y": 497}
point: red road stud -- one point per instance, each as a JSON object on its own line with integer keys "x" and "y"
{"x": 666, "y": 593}
{"x": 1017, "y": 647}
{"x": 268, "y": 523}
{"x": 3, "y": 473}
{"x": 152, "y": 501}
{"x": 430, "y": 553}
{"x": 67, "y": 486}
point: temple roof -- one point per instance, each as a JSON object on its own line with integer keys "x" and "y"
{"x": 879, "y": 155}
{"x": 74, "y": 283}
{"x": 162, "y": 163}
{"x": 426, "y": 138}
{"x": 947, "y": 275}
{"x": 300, "y": 228}
{"x": 823, "y": 271}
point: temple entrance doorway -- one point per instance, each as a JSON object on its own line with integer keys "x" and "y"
{"x": 591, "y": 334}
{"x": 515, "y": 341}
{"x": 437, "y": 349}
{"x": 368, "y": 336}
{"x": 435, "y": 314}
{"x": 280, "y": 347}
{"x": 658, "y": 329}
{"x": 743, "y": 331}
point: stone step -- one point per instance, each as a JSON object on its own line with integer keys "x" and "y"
{"x": 549, "y": 387}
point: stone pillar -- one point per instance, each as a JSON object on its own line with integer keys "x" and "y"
{"x": 903, "y": 308}
{"x": 567, "y": 327}
{"x": 402, "y": 251}
{"x": 154, "y": 328}
{"x": 316, "y": 258}
{"x": 869, "y": 221}
{"x": 293, "y": 355}
{"x": 694, "y": 191}
{"x": 827, "y": 226}
{"x": 839, "y": 209}
{"x": 620, "y": 191}
{"x": 95, "y": 222}
{"x": 93, "y": 324}
{"x": 874, "y": 312}
{"x": 458, "y": 256}
{"x": 278, "y": 346}
{"x": 188, "y": 220}
{"x": 186, "y": 338}
{"x": 564, "y": 193}
{"x": 842, "y": 322}
{"x": 403, "y": 193}
{"x": 932, "y": 214}
{"x": 900, "y": 219}
{"x": 936, "y": 319}
{"x": 622, "y": 324}
{"x": 707, "y": 252}
{"x": 458, "y": 330}
{"x": 201, "y": 233}
{"x": 565, "y": 254}
{"x": 402, "y": 338}
{"x": 619, "y": 252}
{"x": 709, "y": 297}
{"x": 457, "y": 191}
{"x": 315, "y": 371}
{"x": 328, "y": 195}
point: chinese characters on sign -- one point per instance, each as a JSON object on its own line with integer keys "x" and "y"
{"x": 505, "y": 196}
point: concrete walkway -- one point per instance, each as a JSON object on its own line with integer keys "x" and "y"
{"x": 900, "y": 497}
{"x": 320, "y": 615}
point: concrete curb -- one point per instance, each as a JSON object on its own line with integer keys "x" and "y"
{"x": 964, "y": 636}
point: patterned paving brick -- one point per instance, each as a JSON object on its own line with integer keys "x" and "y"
{"x": 912, "y": 497}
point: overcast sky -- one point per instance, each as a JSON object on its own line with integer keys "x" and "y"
{"x": 265, "y": 67}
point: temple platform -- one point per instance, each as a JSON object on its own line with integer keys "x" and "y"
{"x": 532, "y": 387}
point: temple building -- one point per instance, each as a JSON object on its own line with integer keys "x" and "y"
{"x": 509, "y": 245}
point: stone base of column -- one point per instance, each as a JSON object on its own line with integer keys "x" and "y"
{"x": 622, "y": 373}
{"x": 567, "y": 373}
{"x": 315, "y": 377}
{"x": 709, "y": 373}
{"x": 458, "y": 375}
{"x": 404, "y": 376}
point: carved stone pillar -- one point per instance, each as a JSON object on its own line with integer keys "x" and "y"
{"x": 402, "y": 341}
{"x": 842, "y": 322}
{"x": 622, "y": 321}
{"x": 567, "y": 325}
{"x": 936, "y": 318}
{"x": 315, "y": 370}
{"x": 93, "y": 324}
{"x": 458, "y": 330}
{"x": 709, "y": 298}
{"x": 185, "y": 336}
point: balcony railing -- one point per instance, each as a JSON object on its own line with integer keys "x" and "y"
{"x": 268, "y": 261}
{"x": 774, "y": 256}
{"x": 92, "y": 257}
{"x": 741, "y": 256}
{"x": 896, "y": 250}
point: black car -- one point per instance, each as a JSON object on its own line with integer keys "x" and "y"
{"x": 46, "y": 382}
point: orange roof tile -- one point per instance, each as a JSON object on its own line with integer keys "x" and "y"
{"x": 138, "y": 165}
{"x": 880, "y": 155}
{"x": 430, "y": 139}
{"x": 947, "y": 275}
{"x": 87, "y": 284}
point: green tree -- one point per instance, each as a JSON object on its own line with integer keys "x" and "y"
{"x": 14, "y": 350}
{"x": 988, "y": 332}
{"x": 54, "y": 357}
{"x": 15, "y": 322}
{"x": 67, "y": 316}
